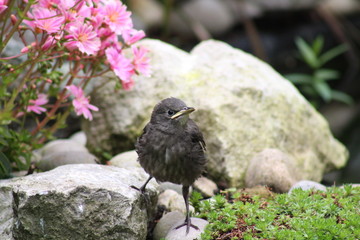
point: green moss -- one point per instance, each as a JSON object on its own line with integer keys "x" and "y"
{"x": 334, "y": 214}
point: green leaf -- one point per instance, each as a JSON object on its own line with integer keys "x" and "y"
{"x": 323, "y": 89}
{"x": 307, "y": 53}
{"x": 326, "y": 74}
{"x": 341, "y": 97}
{"x": 332, "y": 53}
{"x": 5, "y": 166}
{"x": 318, "y": 45}
{"x": 299, "y": 78}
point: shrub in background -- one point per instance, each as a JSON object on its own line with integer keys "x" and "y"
{"x": 89, "y": 35}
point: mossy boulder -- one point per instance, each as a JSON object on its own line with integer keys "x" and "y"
{"x": 243, "y": 107}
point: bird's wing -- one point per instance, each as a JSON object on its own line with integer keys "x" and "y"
{"x": 138, "y": 142}
{"x": 196, "y": 135}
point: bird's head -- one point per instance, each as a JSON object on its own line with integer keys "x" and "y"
{"x": 171, "y": 112}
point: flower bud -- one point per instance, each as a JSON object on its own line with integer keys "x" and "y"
{"x": 13, "y": 19}
{"x": 25, "y": 49}
{"x": 28, "y": 47}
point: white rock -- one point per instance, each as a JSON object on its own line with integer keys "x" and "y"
{"x": 61, "y": 145}
{"x": 56, "y": 159}
{"x": 306, "y": 185}
{"x": 206, "y": 187}
{"x": 180, "y": 234}
{"x": 79, "y": 137}
{"x": 176, "y": 187}
{"x": 166, "y": 223}
{"x": 173, "y": 202}
{"x": 125, "y": 160}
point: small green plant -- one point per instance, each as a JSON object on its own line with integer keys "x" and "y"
{"x": 315, "y": 85}
{"x": 334, "y": 214}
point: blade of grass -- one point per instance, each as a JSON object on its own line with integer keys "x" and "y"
{"x": 307, "y": 53}
{"x": 332, "y": 53}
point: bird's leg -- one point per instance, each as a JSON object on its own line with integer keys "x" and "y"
{"x": 187, "y": 222}
{"x": 142, "y": 188}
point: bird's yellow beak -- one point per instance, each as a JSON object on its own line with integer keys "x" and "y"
{"x": 183, "y": 112}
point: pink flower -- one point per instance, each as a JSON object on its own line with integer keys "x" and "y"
{"x": 108, "y": 38}
{"x": 81, "y": 103}
{"x": 3, "y": 5}
{"x": 49, "y": 4}
{"x": 45, "y": 20}
{"x": 131, "y": 36}
{"x": 116, "y": 16}
{"x": 121, "y": 66}
{"x": 50, "y": 42}
{"x": 83, "y": 37}
{"x": 34, "y": 105}
{"x": 141, "y": 62}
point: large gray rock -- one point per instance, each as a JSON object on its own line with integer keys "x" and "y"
{"x": 243, "y": 107}
{"x": 76, "y": 202}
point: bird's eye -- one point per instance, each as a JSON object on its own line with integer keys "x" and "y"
{"x": 170, "y": 112}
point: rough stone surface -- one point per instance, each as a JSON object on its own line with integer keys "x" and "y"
{"x": 76, "y": 202}
{"x": 180, "y": 234}
{"x": 243, "y": 107}
{"x": 306, "y": 185}
{"x": 125, "y": 160}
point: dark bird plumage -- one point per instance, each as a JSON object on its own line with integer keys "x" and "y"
{"x": 171, "y": 148}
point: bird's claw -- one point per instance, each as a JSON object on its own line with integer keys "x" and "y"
{"x": 188, "y": 225}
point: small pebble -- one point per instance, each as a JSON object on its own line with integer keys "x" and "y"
{"x": 306, "y": 185}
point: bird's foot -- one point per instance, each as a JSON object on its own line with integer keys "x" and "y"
{"x": 143, "y": 193}
{"x": 142, "y": 190}
{"x": 188, "y": 224}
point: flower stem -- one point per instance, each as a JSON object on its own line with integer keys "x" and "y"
{"x": 15, "y": 27}
{"x": 56, "y": 105}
